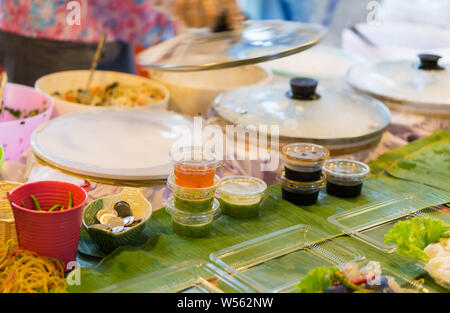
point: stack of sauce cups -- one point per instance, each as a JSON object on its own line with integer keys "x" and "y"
{"x": 193, "y": 206}
{"x": 303, "y": 177}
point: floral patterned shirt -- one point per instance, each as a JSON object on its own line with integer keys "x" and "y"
{"x": 131, "y": 21}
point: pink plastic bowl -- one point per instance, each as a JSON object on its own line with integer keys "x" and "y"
{"x": 55, "y": 234}
{"x": 15, "y": 134}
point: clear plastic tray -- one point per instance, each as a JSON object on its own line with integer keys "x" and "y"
{"x": 188, "y": 277}
{"x": 370, "y": 223}
{"x": 277, "y": 262}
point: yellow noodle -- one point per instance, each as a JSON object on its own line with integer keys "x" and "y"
{"x": 25, "y": 271}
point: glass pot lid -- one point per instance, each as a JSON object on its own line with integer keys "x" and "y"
{"x": 303, "y": 112}
{"x": 423, "y": 82}
{"x": 257, "y": 41}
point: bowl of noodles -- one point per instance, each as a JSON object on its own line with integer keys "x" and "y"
{"x": 109, "y": 91}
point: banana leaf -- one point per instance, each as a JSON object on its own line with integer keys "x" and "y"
{"x": 425, "y": 161}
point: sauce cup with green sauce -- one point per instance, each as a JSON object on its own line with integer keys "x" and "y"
{"x": 240, "y": 196}
{"x": 194, "y": 225}
{"x": 301, "y": 193}
{"x": 193, "y": 200}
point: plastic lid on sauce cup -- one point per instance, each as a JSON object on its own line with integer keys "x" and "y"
{"x": 344, "y": 171}
{"x": 304, "y": 155}
{"x": 195, "y": 157}
{"x": 241, "y": 187}
{"x": 299, "y": 187}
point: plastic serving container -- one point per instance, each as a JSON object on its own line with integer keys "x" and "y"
{"x": 304, "y": 161}
{"x": 34, "y": 107}
{"x": 301, "y": 193}
{"x": 189, "y": 224}
{"x": 277, "y": 262}
{"x": 188, "y": 277}
{"x": 192, "y": 200}
{"x": 345, "y": 177}
{"x": 370, "y": 223}
{"x": 194, "y": 167}
{"x": 240, "y": 196}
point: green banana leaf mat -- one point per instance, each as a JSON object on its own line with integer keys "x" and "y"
{"x": 426, "y": 161}
{"x": 422, "y": 167}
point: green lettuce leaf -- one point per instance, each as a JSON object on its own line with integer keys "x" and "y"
{"x": 412, "y": 236}
{"x": 317, "y": 280}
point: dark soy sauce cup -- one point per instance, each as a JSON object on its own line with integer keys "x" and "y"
{"x": 345, "y": 177}
{"x": 301, "y": 193}
{"x": 304, "y": 161}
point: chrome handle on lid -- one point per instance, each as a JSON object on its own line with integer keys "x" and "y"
{"x": 430, "y": 62}
{"x": 303, "y": 88}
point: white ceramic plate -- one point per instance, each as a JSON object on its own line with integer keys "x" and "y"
{"x": 121, "y": 145}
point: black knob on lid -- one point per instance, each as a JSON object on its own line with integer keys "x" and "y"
{"x": 429, "y": 62}
{"x": 222, "y": 23}
{"x": 303, "y": 89}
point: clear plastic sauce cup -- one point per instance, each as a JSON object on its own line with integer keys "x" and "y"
{"x": 193, "y": 199}
{"x": 304, "y": 161}
{"x": 194, "y": 167}
{"x": 240, "y": 196}
{"x": 301, "y": 193}
{"x": 345, "y": 177}
{"x": 193, "y": 225}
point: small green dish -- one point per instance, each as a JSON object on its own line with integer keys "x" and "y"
{"x": 105, "y": 239}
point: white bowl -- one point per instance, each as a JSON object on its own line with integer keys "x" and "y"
{"x": 192, "y": 93}
{"x": 69, "y": 80}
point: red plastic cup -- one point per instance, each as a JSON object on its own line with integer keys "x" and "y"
{"x": 55, "y": 234}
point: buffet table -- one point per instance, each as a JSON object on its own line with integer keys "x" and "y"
{"x": 151, "y": 222}
{"x": 158, "y": 248}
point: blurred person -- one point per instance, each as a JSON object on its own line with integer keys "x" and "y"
{"x": 306, "y": 11}
{"x": 431, "y": 12}
{"x": 38, "y": 37}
